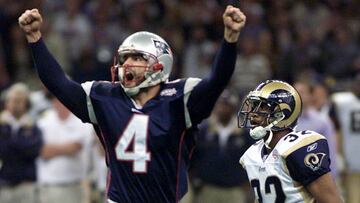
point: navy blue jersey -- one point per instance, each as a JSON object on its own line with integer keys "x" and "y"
{"x": 19, "y": 149}
{"x": 215, "y": 162}
{"x": 146, "y": 147}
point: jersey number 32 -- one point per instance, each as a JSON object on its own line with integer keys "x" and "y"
{"x": 277, "y": 189}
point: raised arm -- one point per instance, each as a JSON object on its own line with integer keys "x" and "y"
{"x": 205, "y": 94}
{"x": 70, "y": 93}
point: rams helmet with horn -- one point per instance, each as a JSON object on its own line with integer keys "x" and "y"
{"x": 280, "y": 97}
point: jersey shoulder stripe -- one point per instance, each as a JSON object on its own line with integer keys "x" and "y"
{"x": 189, "y": 86}
{"x": 295, "y": 140}
{"x": 87, "y": 88}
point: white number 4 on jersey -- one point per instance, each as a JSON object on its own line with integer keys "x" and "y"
{"x": 135, "y": 135}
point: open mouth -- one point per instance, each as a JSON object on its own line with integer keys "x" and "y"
{"x": 254, "y": 123}
{"x": 131, "y": 79}
{"x": 129, "y": 76}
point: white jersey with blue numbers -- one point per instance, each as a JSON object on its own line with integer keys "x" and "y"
{"x": 348, "y": 112}
{"x": 282, "y": 175}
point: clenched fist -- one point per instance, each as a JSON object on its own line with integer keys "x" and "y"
{"x": 30, "y": 22}
{"x": 234, "y": 21}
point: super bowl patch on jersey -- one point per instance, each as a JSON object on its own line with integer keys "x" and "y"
{"x": 168, "y": 92}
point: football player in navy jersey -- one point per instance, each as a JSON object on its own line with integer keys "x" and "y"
{"x": 284, "y": 165}
{"x": 143, "y": 121}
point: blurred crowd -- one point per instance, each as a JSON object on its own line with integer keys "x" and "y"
{"x": 282, "y": 39}
{"x": 312, "y": 44}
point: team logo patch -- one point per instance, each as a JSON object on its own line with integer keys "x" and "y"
{"x": 161, "y": 47}
{"x": 168, "y": 92}
{"x": 312, "y": 147}
{"x": 313, "y": 161}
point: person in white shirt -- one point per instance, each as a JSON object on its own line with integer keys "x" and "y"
{"x": 347, "y": 115}
{"x": 62, "y": 166}
{"x": 100, "y": 172}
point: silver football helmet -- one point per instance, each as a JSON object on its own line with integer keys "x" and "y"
{"x": 155, "y": 50}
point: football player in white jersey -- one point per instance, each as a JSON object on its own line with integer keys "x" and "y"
{"x": 284, "y": 165}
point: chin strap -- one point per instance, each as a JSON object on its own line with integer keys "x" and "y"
{"x": 268, "y": 140}
{"x": 151, "y": 80}
{"x": 259, "y": 132}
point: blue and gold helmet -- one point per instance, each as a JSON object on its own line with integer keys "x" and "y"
{"x": 282, "y": 101}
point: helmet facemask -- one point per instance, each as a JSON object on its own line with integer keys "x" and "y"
{"x": 268, "y": 111}
{"x": 151, "y": 75}
{"x": 260, "y": 116}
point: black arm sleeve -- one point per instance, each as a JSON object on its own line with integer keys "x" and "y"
{"x": 205, "y": 94}
{"x": 70, "y": 93}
